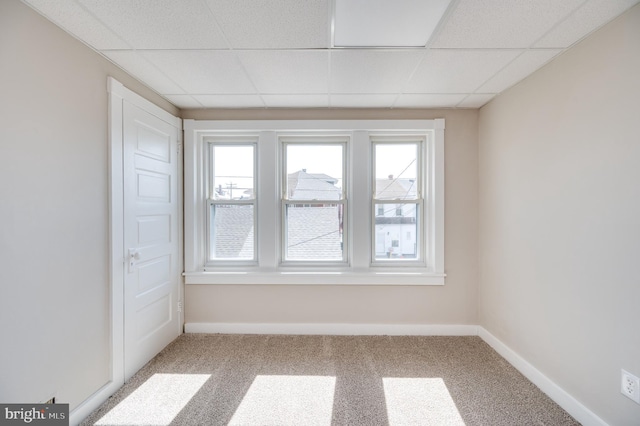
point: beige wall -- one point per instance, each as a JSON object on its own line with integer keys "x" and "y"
{"x": 560, "y": 218}
{"x": 455, "y": 303}
{"x": 54, "y": 319}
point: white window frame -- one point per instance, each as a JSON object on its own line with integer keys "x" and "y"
{"x": 316, "y": 140}
{"x": 423, "y": 229}
{"x": 208, "y": 144}
{"x": 359, "y": 268}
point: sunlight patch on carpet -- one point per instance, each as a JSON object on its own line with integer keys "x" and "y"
{"x": 287, "y": 400}
{"x": 419, "y": 401}
{"x": 156, "y": 402}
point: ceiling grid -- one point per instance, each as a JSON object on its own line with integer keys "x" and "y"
{"x": 282, "y": 53}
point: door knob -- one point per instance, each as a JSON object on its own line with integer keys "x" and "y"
{"x": 134, "y": 256}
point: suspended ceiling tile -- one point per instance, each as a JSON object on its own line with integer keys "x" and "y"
{"x": 203, "y": 71}
{"x": 399, "y": 23}
{"x": 250, "y": 24}
{"x": 412, "y": 100}
{"x": 476, "y": 100}
{"x": 183, "y": 101}
{"x": 517, "y": 70}
{"x": 296, "y": 101}
{"x": 589, "y": 17}
{"x": 230, "y": 101}
{"x": 143, "y": 70}
{"x": 77, "y": 21}
{"x": 372, "y": 70}
{"x": 501, "y": 23}
{"x": 160, "y": 24}
{"x": 363, "y": 101}
{"x": 287, "y": 71}
{"x": 458, "y": 71}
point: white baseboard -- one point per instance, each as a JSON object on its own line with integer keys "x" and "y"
{"x": 334, "y": 329}
{"x": 82, "y": 411}
{"x": 571, "y": 405}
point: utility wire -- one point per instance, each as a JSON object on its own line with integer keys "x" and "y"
{"x": 314, "y": 238}
{"x": 398, "y": 177}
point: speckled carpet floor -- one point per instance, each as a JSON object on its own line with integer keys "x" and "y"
{"x": 328, "y": 380}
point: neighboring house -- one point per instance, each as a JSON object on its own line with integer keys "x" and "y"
{"x": 312, "y": 186}
{"x": 314, "y": 231}
{"x": 395, "y": 224}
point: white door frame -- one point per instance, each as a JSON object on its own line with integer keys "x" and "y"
{"x": 117, "y": 263}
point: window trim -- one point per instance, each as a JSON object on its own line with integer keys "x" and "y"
{"x": 270, "y": 269}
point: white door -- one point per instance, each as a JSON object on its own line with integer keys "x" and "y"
{"x": 151, "y": 236}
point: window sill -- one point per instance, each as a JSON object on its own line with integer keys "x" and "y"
{"x": 393, "y": 278}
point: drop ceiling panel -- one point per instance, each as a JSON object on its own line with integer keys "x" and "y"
{"x": 373, "y": 70}
{"x": 458, "y": 71}
{"x": 296, "y": 101}
{"x": 412, "y": 100}
{"x": 279, "y": 53}
{"x": 386, "y": 23}
{"x": 502, "y": 23}
{"x": 230, "y": 101}
{"x": 476, "y": 100}
{"x": 287, "y": 71}
{"x": 275, "y": 24}
{"x": 183, "y": 101}
{"x": 517, "y": 70}
{"x": 79, "y": 22}
{"x": 143, "y": 70}
{"x": 203, "y": 71}
{"x": 160, "y": 24}
{"x": 363, "y": 101}
{"x": 590, "y": 16}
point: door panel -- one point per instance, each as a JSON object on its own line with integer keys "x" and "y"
{"x": 151, "y": 285}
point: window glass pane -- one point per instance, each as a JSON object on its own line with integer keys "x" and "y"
{"x": 314, "y": 172}
{"x": 396, "y": 171}
{"x": 232, "y": 172}
{"x": 396, "y": 236}
{"x": 314, "y": 232}
{"x": 232, "y": 234}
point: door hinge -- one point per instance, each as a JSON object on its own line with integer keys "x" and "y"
{"x": 179, "y": 305}
{"x": 179, "y": 148}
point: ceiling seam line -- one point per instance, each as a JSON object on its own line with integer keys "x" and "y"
{"x": 558, "y": 23}
{"x": 427, "y": 47}
{"x": 332, "y": 10}
{"x": 231, "y": 49}
{"x": 132, "y": 49}
{"x": 83, "y": 7}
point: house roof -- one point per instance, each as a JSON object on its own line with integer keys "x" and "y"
{"x": 396, "y": 189}
{"x": 313, "y": 233}
{"x": 312, "y": 186}
{"x": 233, "y": 232}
